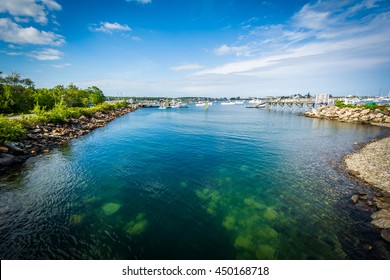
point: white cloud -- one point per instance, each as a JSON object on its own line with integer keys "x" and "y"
{"x": 238, "y": 51}
{"x": 46, "y": 54}
{"x": 140, "y": 1}
{"x": 43, "y": 54}
{"x": 13, "y": 33}
{"x": 21, "y": 9}
{"x": 309, "y": 18}
{"x": 52, "y": 4}
{"x": 108, "y": 27}
{"x": 323, "y": 33}
{"x": 136, "y": 38}
{"x": 186, "y": 67}
{"x": 61, "y": 65}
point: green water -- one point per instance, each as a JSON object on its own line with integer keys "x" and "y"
{"x": 227, "y": 183}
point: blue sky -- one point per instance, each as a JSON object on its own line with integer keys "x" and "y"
{"x": 217, "y": 48}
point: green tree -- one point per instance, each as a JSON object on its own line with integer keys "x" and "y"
{"x": 95, "y": 95}
{"x": 6, "y": 101}
{"x": 75, "y": 97}
{"x": 46, "y": 98}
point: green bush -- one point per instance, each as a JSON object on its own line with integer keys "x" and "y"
{"x": 340, "y": 104}
{"x": 371, "y": 106}
{"x": 10, "y": 130}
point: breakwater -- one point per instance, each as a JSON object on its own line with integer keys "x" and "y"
{"x": 41, "y": 138}
{"x": 352, "y": 115}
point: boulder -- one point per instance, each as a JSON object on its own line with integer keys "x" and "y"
{"x": 15, "y": 147}
{"x": 385, "y": 233}
{"x": 6, "y": 159}
{"x": 354, "y": 173}
{"x": 380, "y": 115}
{"x": 384, "y": 213}
{"x": 377, "y": 120}
{"x": 355, "y": 198}
{"x": 381, "y": 223}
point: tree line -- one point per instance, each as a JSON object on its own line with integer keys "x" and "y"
{"x": 19, "y": 95}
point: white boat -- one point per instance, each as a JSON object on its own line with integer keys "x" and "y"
{"x": 204, "y": 104}
{"x": 179, "y": 105}
{"x": 255, "y": 101}
{"x": 227, "y": 103}
{"x": 239, "y": 102}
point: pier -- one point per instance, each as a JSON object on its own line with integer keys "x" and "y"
{"x": 298, "y": 104}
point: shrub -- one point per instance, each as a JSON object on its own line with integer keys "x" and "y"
{"x": 10, "y": 130}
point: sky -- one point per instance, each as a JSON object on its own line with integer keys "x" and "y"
{"x": 215, "y": 48}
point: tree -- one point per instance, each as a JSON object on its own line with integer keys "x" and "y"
{"x": 45, "y": 98}
{"x": 95, "y": 95}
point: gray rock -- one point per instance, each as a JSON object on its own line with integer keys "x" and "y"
{"x": 385, "y": 233}
{"x": 383, "y": 205}
{"x": 384, "y": 213}
{"x": 367, "y": 247}
{"x": 6, "y": 159}
{"x": 354, "y": 173}
{"x": 381, "y": 223}
{"x": 14, "y": 146}
{"x": 32, "y": 136}
{"x": 355, "y": 198}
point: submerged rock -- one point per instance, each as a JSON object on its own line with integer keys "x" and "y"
{"x": 386, "y": 234}
{"x": 244, "y": 241}
{"x": 355, "y": 198}
{"x": 265, "y": 252}
{"x": 76, "y": 219}
{"x": 136, "y": 227}
{"x": 270, "y": 214}
{"x": 110, "y": 208}
{"x": 6, "y": 159}
{"x": 229, "y": 222}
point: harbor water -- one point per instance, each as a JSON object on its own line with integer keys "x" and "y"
{"x": 226, "y": 183}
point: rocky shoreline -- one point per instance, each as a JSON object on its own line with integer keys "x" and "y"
{"x": 40, "y": 138}
{"x": 371, "y": 163}
{"x": 352, "y": 115}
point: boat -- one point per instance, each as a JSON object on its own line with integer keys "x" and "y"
{"x": 239, "y": 102}
{"x": 204, "y": 104}
{"x": 179, "y": 104}
{"x": 227, "y": 103}
{"x": 164, "y": 105}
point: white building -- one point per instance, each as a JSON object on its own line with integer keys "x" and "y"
{"x": 323, "y": 98}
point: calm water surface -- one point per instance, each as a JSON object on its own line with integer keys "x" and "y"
{"x": 227, "y": 183}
